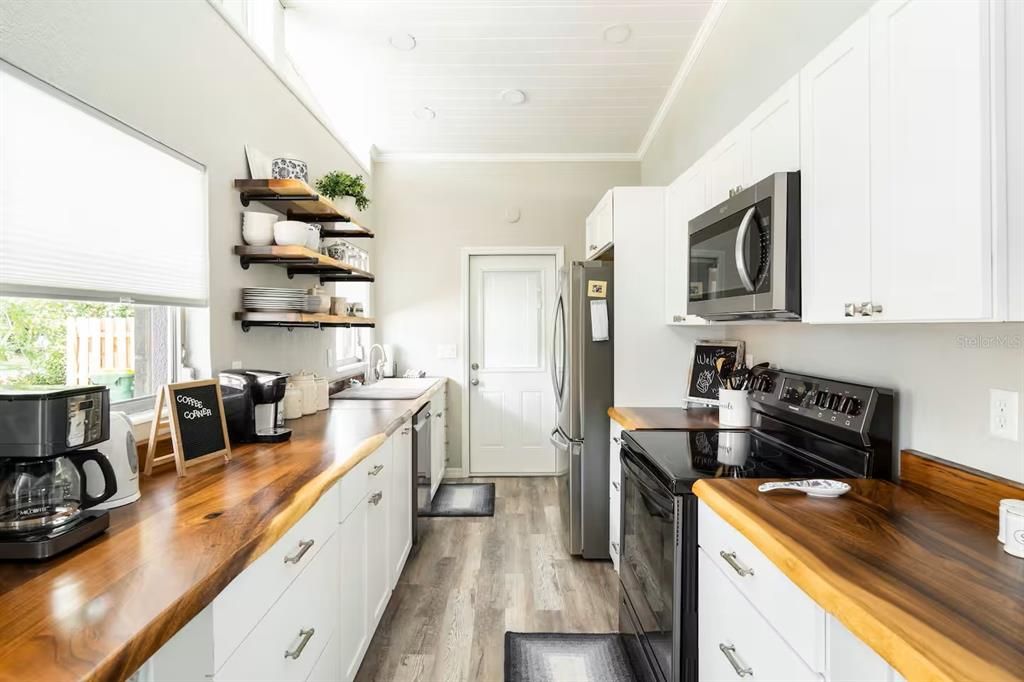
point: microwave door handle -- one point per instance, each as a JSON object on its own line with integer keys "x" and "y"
{"x": 741, "y": 256}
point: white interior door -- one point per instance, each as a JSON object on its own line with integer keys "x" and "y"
{"x": 511, "y": 401}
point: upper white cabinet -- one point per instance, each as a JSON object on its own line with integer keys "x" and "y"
{"x": 685, "y": 199}
{"x": 600, "y": 227}
{"x": 899, "y": 165}
{"x": 835, "y": 177}
{"x": 726, "y": 166}
{"x": 772, "y": 134}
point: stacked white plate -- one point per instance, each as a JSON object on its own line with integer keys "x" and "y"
{"x": 271, "y": 299}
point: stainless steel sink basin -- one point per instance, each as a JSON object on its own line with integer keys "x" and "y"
{"x": 387, "y": 389}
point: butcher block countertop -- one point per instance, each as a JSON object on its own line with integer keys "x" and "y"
{"x": 101, "y": 610}
{"x": 637, "y": 418}
{"x": 914, "y": 570}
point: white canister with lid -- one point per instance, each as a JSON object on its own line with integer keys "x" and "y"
{"x": 323, "y": 393}
{"x": 1008, "y": 506}
{"x": 307, "y": 386}
{"x": 292, "y": 402}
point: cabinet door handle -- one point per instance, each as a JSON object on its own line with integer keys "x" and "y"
{"x": 615, "y": 484}
{"x": 730, "y": 558}
{"x": 851, "y": 310}
{"x": 376, "y": 498}
{"x": 677, "y": 318}
{"x": 376, "y": 470}
{"x": 297, "y": 557}
{"x": 615, "y": 546}
{"x": 741, "y": 668}
{"x": 439, "y": 415}
{"x": 868, "y": 309}
{"x": 306, "y": 635}
{"x": 616, "y": 440}
{"x": 406, "y": 431}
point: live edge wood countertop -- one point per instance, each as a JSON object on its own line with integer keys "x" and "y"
{"x": 913, "y": 569}
{"x": 101, "y": 610}
{"x": 638, "y": 418}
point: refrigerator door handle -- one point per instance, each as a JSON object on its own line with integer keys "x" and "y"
{"x": 558, "y": 382}
{"x": 558, "y": 440}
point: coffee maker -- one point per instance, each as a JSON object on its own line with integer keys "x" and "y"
{"x": 252, "y": 405}
{"x": 45, "y": 433}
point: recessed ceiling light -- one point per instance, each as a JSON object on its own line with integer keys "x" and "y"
{"x": 405, "y": 42}
{"x": 513, "y": 97}
{"x": 617, "y": 33}
{"x": 425, "y": 114}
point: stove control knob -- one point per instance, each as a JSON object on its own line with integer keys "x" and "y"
{"x": 850, "y": 407}
{"x": 833, "y": 401}
{"x": 821, "y": 400}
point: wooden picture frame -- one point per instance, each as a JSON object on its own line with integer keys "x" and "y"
{"x": 168, "y": 395}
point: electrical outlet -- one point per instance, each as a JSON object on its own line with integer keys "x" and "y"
{"x": 1003, "y": 414}
{"x": 446, "y": 351}
{"x": 236, "y": 364}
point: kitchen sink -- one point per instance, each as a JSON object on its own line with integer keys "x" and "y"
{"x": 387, "y": 389}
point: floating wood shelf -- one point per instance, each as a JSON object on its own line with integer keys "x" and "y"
{"x": 301, "y": 320}
{"x": 302, "y": 261}
{"x": 299, "y": 201}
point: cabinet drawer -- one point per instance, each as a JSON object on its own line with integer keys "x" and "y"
{"x": 240, "y": 606}
{"x": 799, "y": 620}
{"x": 307, "y": 612}
{"x": 734, "y": 640}
{"x": 356, "y": 483}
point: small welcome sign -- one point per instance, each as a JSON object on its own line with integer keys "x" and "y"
{"x": 199, "y": 431}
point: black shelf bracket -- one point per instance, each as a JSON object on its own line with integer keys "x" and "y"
{"x": 327, "y": 278}
{"x": 246, "y": 261}
{"x": 249, "y": 324}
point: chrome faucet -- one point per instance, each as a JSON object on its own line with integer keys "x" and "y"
{"x": 376, "y": 370}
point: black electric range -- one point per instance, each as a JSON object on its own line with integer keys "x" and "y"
{"x": 802, "y": 427}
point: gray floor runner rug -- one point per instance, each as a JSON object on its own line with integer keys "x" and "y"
{"x": 462, "y": 499}
{"x": 555, "y": 657}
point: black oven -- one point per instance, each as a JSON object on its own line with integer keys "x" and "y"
{"x": 744, "y": 254}
{"x": 655, "y": 569}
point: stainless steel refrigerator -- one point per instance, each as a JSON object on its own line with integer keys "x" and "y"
{"x": 581, "y": 371}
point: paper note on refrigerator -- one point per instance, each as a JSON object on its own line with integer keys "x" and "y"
{"x": 599, "y": 320}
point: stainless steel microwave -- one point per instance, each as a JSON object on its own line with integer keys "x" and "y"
{"x": 744, "y": 254}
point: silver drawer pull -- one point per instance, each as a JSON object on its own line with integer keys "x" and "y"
{"x": 376, "y": 470}
{"x": 306, "y": 635}
{"x": 376, "y": 498}
{"x": 406, "y": 431}
{"x": 615, "y": 484}
{"x": 741, "y": 668}
{"x": 297, "y": 557}
{"x": 730, "y": 558}
{"x": 616, "y": 440}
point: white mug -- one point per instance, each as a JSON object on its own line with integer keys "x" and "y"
{"x": 733, "y": 407}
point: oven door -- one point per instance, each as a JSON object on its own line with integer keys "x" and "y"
{"x": 648, "y": 561}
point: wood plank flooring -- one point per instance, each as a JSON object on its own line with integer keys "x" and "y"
{"x": 474, "y": 578}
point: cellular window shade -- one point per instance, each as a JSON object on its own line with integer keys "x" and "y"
{"x": 90, "y": 208}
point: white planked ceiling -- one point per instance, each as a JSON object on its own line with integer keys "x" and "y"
{"x": 585, "y": 95}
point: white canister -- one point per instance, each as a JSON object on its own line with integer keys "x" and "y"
{"x": 323, "y": 394}
{"x": 313, "y": 237}
{"x": 733, "y": 407}
{"x": 1014, "y": 532}
{"x": 307, "y": 386}
{"x": 292, "y": 402}
{"x": 1004, "y": 507}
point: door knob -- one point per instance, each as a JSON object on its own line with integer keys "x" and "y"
{"x": 474, "y": 382}
{"x": 474, "y": 366}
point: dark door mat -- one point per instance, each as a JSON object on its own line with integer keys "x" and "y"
{"x": 556, "y": 657}
{"x": 462, "y": 499}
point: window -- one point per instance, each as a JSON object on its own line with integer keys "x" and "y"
{"x": 351, "y": 343}
{"x": 92, "y": 286}
{"x": 131, "y": 349}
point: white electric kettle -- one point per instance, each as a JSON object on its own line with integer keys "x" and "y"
{"x": 120, "y": 451}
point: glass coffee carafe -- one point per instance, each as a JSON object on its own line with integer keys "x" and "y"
{"x": 40, "y": 494}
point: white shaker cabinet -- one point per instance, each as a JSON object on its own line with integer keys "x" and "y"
{"x": 438, "y": 439}
{"x": 851, "y": 660}
{"x": 685, "y": 199}
{"x": 378, "y": 497}
{"x": 835, "y": 178}
{"x": 772, "y": 134}
{"x": 726, "y": 166}
{"x": 931, "y": 152}
{"x": 400, "y": 506}
{"x": 600, "y": 229}
{"x": 614, "y": 492}
{"x": 354, "y": 628}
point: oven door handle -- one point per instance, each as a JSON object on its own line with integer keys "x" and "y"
{"x": 741, "y": 256}
{"x": 638, "y": 476}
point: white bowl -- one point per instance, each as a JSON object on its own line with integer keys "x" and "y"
{"x": 313, "y": 238}
{"x": 290, "y": 233}
{"x": 258, "y": 228}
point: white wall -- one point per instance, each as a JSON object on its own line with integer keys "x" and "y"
{"x": 942, "y": 380}
{"x": 426, "y": 212}
{"x": 177, "y": 72}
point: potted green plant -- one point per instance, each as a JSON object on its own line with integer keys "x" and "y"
{"x": 346, "y": 192}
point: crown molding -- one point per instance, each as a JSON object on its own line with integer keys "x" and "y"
{"x": 510, "y": 157}
{"x": 703, "y": 33}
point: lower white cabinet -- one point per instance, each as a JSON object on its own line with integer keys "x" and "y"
{"x": 438, "y": 439}
{"x": 754, "y": 623}
{"x": 614, "y": 492}
{"x": 307, "y": 609}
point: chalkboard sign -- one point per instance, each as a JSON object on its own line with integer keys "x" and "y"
{"x": 196, "y": 418}
{"x": 702, "y": 384}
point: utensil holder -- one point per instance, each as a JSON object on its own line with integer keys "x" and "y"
{"x": 733, "y": 407}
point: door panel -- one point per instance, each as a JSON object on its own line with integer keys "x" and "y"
{"x": 512, "y": 405}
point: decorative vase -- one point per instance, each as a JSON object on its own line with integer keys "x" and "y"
{"x": 345, "y": 205}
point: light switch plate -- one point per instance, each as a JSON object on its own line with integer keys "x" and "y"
{"x": 1003, "y": 414}
{"x": 446, "y": 351}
